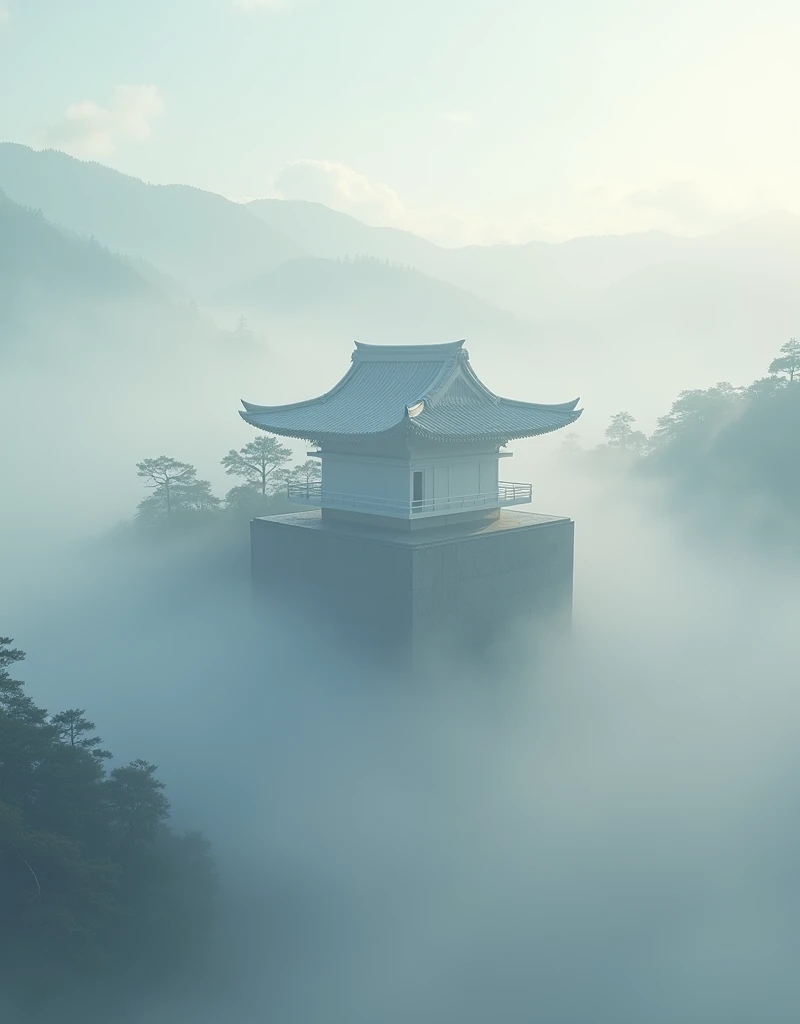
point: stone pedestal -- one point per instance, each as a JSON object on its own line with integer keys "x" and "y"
{"x": 402, "y": 594}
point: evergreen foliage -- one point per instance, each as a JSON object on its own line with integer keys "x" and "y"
{"x": 243, "y": 335}
{"x": 258, "y": 462}
{"x": 179, "y": 502}
{"x": 307, "y": 473}
{"x": 97, "y": 895}
{"x": 728, "y": 454}
{"x": 621, "y": 435}
{"x": 788, "y": 362}
{"x": 175, "y": 488}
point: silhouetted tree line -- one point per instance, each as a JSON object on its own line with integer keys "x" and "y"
{"x": 243, "y": 336}
{"x": 98, "y": 897}
{"x": 732, "y": 451}
{"x": 178, "y": 497}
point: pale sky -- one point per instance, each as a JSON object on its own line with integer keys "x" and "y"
{"x": 464, "y": 120}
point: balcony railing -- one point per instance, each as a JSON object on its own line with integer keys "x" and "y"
{"x": 312, "y": 494}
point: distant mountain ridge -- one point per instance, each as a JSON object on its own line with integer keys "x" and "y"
{"x": 625, "y": 320}
{"x": 99, "y": 367}
{"x": 331, "y": 234}
{"x": 369, "y": 298}
{"x": 542, "y": 280}
{"x": 42, "y": 267}
{"x": 199, "y": 238}
{"x": 208, "y": 244}
{"x": 74, "y": 300}
{"x": 664, "y": 311}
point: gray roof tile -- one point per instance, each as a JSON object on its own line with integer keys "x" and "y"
{"x": 425, "y": 391}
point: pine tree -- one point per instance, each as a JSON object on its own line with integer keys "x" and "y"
{"x": 788, "y": 362}
{"x": 257, "y": 462}
{"x": 175, "y": 489}
{"x": 621, "y": 435}
{"x": 138, "y": 804}
{"x": 73, "y": 728}
{"x": 306, "y": 474}
{"x": 166, "y": 476}
{"x": 93, "y": 884}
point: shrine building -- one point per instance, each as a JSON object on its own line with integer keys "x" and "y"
{"x": 412, "y": 541}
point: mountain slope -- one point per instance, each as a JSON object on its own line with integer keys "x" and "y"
{"x": 330, "y": 234}
{"x": 537, "y": 279}
{"x": 372, "y": 300}
{"x": 627, "y": 321}
{"x": 51, "y": 283}
{"x": 567, "y": 280}
{"x": 200, "y": 239}
{"x": 99, "y": 369}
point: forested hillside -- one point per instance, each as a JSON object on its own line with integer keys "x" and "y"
{"x": 71, "y": 298}
{"x": 330, "y": 234}
{"x": 371, "y": 299}
{"x": 199, "y": 238}
{"x": 92, "y": 354}
{"x": 98, "y": 897}
{"x": 724, "y": 457}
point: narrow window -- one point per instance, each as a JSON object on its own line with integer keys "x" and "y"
{"x": 418, "y": 490}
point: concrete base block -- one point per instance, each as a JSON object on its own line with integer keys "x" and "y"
{"x": 413, "y": 595}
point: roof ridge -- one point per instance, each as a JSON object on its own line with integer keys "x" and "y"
{"x": 405, "y": 387}
{"x": 405, "y": 353}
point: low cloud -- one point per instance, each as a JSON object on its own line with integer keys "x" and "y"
{"x": 601, "y": 834}
{"x": 89, "y": 130}
{"x": 680, "y": 206}
{"x": 343, "y": 189}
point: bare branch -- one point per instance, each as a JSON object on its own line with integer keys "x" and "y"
{"x": 27, "y": 865}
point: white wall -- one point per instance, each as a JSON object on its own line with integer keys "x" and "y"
{"x": 345, "y": 474}
{"x": 455, "y": 476}
{"x": 464, "y": 478}
{"x": 489, "y": 474}
{"x": 441, "y": 481}
{"x": 449, "y": 475}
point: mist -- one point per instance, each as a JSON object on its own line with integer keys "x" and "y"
{"x": 602, "y": 831}
{"x": 598, "y": 828}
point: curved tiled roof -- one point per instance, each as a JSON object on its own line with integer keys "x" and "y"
{"x": 424, "y": 391}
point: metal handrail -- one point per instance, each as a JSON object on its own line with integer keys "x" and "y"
{"x": 506, "y": 494}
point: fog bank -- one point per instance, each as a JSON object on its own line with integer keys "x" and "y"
{"x": 602, "y": 834}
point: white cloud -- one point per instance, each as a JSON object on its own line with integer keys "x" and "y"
{"x": 90, "y": 130}
{"x": 595, "y": 206}
{"x": 341, "y": 188}
{"x": 5, "y": 15}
